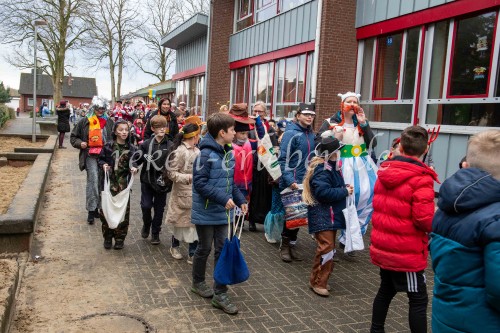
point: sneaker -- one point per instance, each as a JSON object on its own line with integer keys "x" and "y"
{"x": 269, "y": 239}
{"x": 145, "y": 231}
{"x": 321, "y": 291}
{"x": 222, "y": 301}
{"x": 118, "y": 244}
{"x": 252, "y": 226}
{"x": 190, "y": 260}
{"x": 108, "y": 242}
{"x": 155, "y": 239}
{"x": 90, "y": 217}
{"x": 202, "y": 289}
{"x": 176, "y": 253}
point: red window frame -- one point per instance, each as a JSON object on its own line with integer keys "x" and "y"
{"x": 452, "y": 54}
{"x": 375, "y": 76}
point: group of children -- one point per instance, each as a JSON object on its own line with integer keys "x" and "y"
{"x": 201, "y": 176}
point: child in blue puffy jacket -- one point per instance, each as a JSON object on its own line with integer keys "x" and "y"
{"x": 214, "y": 198}
{"x": 325, "y": 193}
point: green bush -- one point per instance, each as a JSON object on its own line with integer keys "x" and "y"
{"x": 4, "y": 114}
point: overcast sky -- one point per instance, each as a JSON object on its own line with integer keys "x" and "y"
{"x": 132, "y": 78}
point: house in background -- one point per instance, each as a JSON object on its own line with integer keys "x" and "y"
{"x": 14, "y": 101}
{"x": 76, "y": 90}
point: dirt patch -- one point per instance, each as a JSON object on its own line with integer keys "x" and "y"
{"x": 8, "y": 270}
{"x": 11, "y": 179}
{"x": 7, "y": 144}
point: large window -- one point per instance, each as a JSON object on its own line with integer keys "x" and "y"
{"x": 190, "y": 91}
{"x": 456, "y": 72}
{"x": 281, "y": 84}
{"x": 471, "y": 62}
{"x": 388, "y": 76}
{"x": 388, "y": 59}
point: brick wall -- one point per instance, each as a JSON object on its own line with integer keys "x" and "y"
{"x": 337, "y": 56}
{"x": 221, "y": 28}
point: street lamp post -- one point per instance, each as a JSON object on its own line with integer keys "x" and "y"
{"x": 36, "y": 24}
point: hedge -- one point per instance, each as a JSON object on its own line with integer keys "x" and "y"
{"x": 5, "y": 113}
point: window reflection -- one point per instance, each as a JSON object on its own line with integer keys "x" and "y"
{"x": 487, "y": 115}
{"x": 472, "y": 55}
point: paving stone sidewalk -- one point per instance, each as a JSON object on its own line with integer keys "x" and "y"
{"x": 145, "y": 281}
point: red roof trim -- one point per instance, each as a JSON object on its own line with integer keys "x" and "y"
{"x": 190, "y": 72}
{"x": 434, "y": 14}
{"x": 283, "y": 53}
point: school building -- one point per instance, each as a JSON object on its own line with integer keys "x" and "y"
{"x": 426, "y": 62}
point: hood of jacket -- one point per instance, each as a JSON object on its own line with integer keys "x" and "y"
{"x": 210, "y": 143}
{"x": 401, "y": 168}
{"x": 467, "y": 190}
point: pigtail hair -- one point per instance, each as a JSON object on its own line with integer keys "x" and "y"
{"x": 307, "y": 195}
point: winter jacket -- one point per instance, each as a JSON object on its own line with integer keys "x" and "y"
{"x": 296, "y": 146}
{"x": 180, "y": 171}
{"x": 465, "y": 251}
{"x": 119, "y": 163}
{"x": 80, "y": 134}
{"x": 172, "y": 128}
{"x": 403, "y": 208}
{"x": 328, "y": 188}
{"x": 213, "y": 183}
{"x": 154, "y": 155}
{"x": 63, "y": 120}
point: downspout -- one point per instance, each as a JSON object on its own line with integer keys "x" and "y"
{"x": 314, "y": 78}
{"x": 204, "y": 111}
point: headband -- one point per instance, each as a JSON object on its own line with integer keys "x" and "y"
{"x": 349, "y": 94}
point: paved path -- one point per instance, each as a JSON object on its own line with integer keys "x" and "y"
{"x": 21, "y": 125}
{"x": 77, "y": 277}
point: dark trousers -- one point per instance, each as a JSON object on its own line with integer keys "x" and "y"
{"x": 150, "y": 199}
{"x": 323, "y": 259}
{"x": 206, "y": 235}
{"x": 121, "y": 230}
{"x": 290, "y": 233}
{"x": 392, "y": 282}
{"x": 192, "y": 246}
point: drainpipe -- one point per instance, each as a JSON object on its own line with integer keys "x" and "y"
{"x": 314, "y": 78}
{"x": 204, "y": 110}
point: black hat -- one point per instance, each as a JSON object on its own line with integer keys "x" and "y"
{"x": 328, "y": 146}
{"x": 307, "y": 108}
{"x": 241, "y": 127}
{"x": 119, "y": 101}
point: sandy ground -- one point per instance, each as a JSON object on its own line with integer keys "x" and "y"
{"x": 11, "y": 179}
{"x": 8, "y": 271}
{"x": 7, "y": 144}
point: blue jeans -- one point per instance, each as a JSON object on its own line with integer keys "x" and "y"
{"x": 192, "y": 246}
{"x": 206, "y": 235}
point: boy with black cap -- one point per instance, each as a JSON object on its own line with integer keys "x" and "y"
{"x": 325, "y": 193}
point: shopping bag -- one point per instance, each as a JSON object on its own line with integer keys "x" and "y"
{"x": 267, "y": 156}
{"x": 114, "y": 207}
{"x": 231, "y": 267}
{"x": 273, "y": 225}
{"x": 353, "y": 236}
{"x": 295, "y": 208}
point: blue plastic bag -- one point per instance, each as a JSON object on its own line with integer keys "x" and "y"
{"x": 273, "y": 225}
{"x": 231, "y": 267}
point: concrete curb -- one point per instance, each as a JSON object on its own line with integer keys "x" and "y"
{"x": 49, "y": 147}
{"x": 18, "y": 223}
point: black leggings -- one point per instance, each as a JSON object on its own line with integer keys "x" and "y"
{"x": 61, "y": 138}
{"x": 418, "y": 300}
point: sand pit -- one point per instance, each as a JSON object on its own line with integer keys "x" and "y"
{"x": 11, "y": 179}
{"x": 7, "y": 144}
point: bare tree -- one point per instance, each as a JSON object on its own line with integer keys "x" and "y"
{"x": 155, "y": 59}
{"x": 187, "y": 8}
{"x": 112, "y": 28}
{"x": 62, "y": 33}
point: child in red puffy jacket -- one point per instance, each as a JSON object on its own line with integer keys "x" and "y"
{"x": 403, "y": 208}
